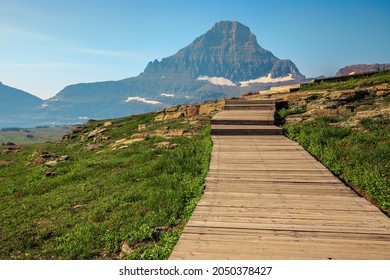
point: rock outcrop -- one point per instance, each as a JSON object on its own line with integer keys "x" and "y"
{"x": 192, "y": 110}
{"x": 366, "y": 101}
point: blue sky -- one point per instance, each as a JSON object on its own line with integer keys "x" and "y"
{"x": 46, "y": 45}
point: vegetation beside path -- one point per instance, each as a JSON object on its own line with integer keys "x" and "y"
{"x": 108, "y": 199}
{"x": 358, "y": 157}
{"x": 346, "y": 126}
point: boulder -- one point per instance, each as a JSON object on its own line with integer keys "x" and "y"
{"x": 63, "y": 158}
{"x": 173, "y": 115}
{"x": 193, "y": 110}
{"x": 206, "y": 108}
{"x": 125, "y": 250}
{"x": 92, "y": 147}
{"x": 172, "y": 109}
{"x": 159, "y": 117}
{"x": 51, "y": 163}
{"x": 39, "y": 161}
{"x": 165, "y": 145}
{"x": 95, "y": 132}
{"x": 142, "y": 127}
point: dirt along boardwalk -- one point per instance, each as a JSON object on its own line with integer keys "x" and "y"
{"x": 267, "y": 198}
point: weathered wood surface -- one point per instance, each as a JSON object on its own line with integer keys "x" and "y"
{"x": 251, "y": 117}
{"x": 217, "y": 129}
{"x": 267, "y": 198}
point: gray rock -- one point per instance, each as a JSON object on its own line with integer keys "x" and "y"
{"x": 51, "y": 163}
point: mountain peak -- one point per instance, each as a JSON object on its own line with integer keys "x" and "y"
{"x": 228, "y": 32}
{"x": 228, "y": 50}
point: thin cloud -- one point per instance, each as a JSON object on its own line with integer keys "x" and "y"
{"x": 40, "y": 64}
{"x": 13, "y": 31}
{"x": 111, "y": 53}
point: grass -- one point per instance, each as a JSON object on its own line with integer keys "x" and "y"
{"x": 283, "y": 112}
{"x": 359, "y": 157}
{"x": 88, "y": 206}
{"x": 33, "y": 135}
{"x": 381, "y": 77}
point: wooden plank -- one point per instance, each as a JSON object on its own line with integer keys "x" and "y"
{"x": 320, "y": 205}
{"x": 251, "y": 107}
{"x": 339, "y": 221}
{"x": 289, "y": 234}
{"x": 269, "y": 254}
{"x": 268, "y": 250}
{"x": 254, "y": 101}
{"x": 319, "y": 244}
{"x": 273, "y": 197}
{"x": 189, "y": 255}
{"x": 287, "y": 213}
{"x": 346, "y": 228}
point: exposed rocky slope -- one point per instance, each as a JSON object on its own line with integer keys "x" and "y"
{"x": 229, "y": 50}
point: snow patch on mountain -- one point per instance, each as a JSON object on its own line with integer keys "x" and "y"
{"x": 167, "y": 94}
{"x": 217, "y": 80}
{"x": 267, "y": 79}
{"x": 140, "y": 99}
{"x": 220, "y": 81}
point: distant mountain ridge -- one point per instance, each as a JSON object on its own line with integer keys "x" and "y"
{"x": 16, "y": 106}
{"x": 226, "y": 61}
{"x": 362, "y": 69}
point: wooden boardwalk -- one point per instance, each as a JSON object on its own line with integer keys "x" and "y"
{"x": 267, "y": 198}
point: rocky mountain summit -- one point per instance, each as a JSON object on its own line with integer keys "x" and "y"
{"x": 229, "y": 50}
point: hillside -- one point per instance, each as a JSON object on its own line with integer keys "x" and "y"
{"x": 108, "y": 189}
{"x": 124, "y": 188}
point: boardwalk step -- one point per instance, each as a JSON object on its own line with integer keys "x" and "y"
{"x": 242, "y": 122}
{"x": 246, "y": 130}
{"x": 243, "y": 101}
{"x": 250, "y": 117}
{"x": 249, "y": 107}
